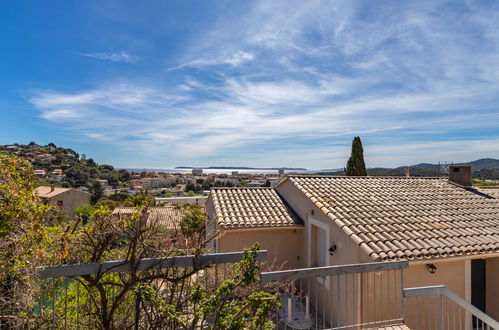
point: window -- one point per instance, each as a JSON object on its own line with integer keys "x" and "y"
{"x": 60, "y": 204}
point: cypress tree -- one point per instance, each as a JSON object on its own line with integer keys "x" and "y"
{"x": 356, "y": 165}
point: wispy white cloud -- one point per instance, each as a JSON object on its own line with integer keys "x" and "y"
{"x": 301, "y": 75}
{"x": 61, "y": 115}
{"x": 239, "y": 58}
{"x": 122, "y": 56}
{"x": 234, "y": 59}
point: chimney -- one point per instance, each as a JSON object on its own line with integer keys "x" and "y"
{"x": 460, "y": 174}
{"x": 408, "y": 172}
{"x": 52, "y": 188}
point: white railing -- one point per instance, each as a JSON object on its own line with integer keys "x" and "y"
{"x": 142, "y": 264}
{"x": 437, "y": 307}
{"x": 339, "y": 297}
{"x": 334, "y": 297}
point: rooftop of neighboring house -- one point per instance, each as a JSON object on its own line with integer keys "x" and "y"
{"x": 47, "y": 191}
{"x": 169, "y": 217}
{"x": 242, "y": 208}
{"x": 407, "y": 217}
{"x": 492, "y": 191}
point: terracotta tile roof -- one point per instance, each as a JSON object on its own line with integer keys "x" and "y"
{"x": 251, "y": 208}
{"x": 407, "y": 218}
{"x": 168, "y": 217}
{"x": 47, "y": 192}
{"x": 491, "y": 191}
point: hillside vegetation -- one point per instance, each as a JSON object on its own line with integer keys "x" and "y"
{"x": 77, "y": 170}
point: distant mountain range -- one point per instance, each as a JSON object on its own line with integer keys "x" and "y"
{"x": 480, "y": 164}
{"x": 485, "y": 168}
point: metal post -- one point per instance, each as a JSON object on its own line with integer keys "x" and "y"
{"x": 307, "y": 307}
{"x": 441, "y": 312}
{"x": 77, "y": 304}
{"x": 402, "y": 293}
{"x": 66, "y": 284}
{"x": 137, "y": 311}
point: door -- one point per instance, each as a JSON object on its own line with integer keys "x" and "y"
{"x": 478, "y": 286}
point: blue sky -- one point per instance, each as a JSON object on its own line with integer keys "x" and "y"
{"x": 252, "y": 83}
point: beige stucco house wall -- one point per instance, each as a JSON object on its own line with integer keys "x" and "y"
{"x": 492, "y": 287}
{"x": 71, "y": 199}
{"x": 284, "y": 245}
{"x": 65, "y": 198}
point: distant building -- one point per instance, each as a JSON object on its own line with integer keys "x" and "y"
{"x": 166, "y": 216}
{"x": 255, "y": 183}
{"x": 274, "y": 181}
{"x": 40, "y": 173}
{"x": 57, "y": 175}
{"x": 227, "y": 180}
{"x": 156, "y": 182}
{"x": 65, "y": 198}
{"x": 235, "y": 173}
{"x": 197, "y": 171}
{"x": 183, "y": 200}
{"x": 190, "y": 181}
{"x": 102, "y": 182}
{"x": 280, "y": 172}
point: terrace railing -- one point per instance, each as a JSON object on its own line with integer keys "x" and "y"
{"x": 339, "y": 297}
{"x": 437, "y": 307}
{"x": 64, "y": 298}
{"x": 369, "y": 295}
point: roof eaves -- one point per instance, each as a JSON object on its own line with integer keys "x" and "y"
{"x": 356, "y": 239}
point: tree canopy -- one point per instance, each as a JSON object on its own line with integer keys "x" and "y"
{"x": 356, "y": 165}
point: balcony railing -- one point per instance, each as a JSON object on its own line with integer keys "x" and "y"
{"x": 370, "y": 295}
{"x": 339, "y": 297}
{"x": 64, "y": 298}
{"x": 436, "y": 307}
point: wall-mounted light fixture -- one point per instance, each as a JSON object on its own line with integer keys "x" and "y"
{"x": 431, "y": 268}
{"x": 332, "y": 249}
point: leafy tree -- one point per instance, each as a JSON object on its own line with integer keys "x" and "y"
{"x": 190, "y": 187}
{"x": 356, "y": 165}
{"x": 96, "y": 191}
{"x": 191, "y": 193}
{"x": 193, "y": 221}
{"x": 124, "y": 175}
{"x": 108, "y": 203}
{"x": 22, "y": 237}
{"x": 90, "y": 162}
{"x": 113, "y": 178}
{"x": 119, "y": 196}
{"x": 83, "y": 212}
{"x": 142, "y": 199}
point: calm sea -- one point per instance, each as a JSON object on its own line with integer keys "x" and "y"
{"x": 214, "y": 171}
